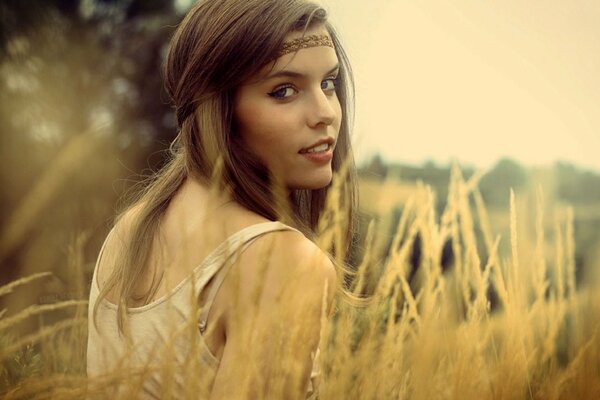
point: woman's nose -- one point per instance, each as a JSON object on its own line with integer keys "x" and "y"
{"x": 322, "y": 109}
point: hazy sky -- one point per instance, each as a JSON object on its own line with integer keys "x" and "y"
{"x": 475, "y": 80}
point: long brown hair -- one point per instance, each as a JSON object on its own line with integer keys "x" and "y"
{"x": 219, "y": 45}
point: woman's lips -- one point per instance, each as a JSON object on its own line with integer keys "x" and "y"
{"x": 321, "y": 156}
{"x": 328, "y": 141}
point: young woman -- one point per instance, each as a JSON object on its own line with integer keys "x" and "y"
{"x": 222, "y": 235}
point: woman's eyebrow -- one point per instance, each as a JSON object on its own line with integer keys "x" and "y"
{"x": 294, "y": 74}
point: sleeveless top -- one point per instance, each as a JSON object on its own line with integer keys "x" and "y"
{"x": 163, "y": 327}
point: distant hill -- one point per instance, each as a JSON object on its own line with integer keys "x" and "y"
{"x": 567, "y": 182}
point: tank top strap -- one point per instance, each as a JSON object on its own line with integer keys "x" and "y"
{"x": 235, "y": 244}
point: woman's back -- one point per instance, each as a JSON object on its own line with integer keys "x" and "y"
{"x": 198, "y": 270}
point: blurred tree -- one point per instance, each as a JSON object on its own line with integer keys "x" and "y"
{"x": 375, "y": 168}
{"x": 82, "y": 108}
{"x": 576, "y": 186}
{"x": 496, "y": 184}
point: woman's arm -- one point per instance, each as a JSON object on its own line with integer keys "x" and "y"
{"x": 272, "y": 323}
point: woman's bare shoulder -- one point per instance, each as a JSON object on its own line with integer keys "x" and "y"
{"x": 290, "y": 251}
{"x": 284, "y": 262}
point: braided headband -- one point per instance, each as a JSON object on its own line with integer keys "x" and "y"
{"x": 304, "y": 43}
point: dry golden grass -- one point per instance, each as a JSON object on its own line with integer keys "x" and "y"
{"x": 381, "y": 198}
{"x": 435, "y": 337}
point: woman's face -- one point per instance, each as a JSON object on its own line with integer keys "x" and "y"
{"x": 290, "y": 116}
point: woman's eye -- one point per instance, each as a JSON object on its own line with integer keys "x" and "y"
{"x": 329, "y": 84}
{"x": 283, "y": 93}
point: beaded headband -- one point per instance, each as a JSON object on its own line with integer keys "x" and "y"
{"x": 304, "y": 43}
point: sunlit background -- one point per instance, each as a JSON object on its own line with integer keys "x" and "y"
{"x": 475, "y": 80}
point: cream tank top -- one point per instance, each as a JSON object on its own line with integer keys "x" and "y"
{"x": 162, "y": 328}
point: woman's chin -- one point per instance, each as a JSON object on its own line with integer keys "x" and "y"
{"x": 313, "y": 183}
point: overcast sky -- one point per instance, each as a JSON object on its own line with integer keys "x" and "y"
{"x": 475, "y": 80}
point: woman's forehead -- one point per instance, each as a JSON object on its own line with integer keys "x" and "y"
{"x": 315, "y": 60}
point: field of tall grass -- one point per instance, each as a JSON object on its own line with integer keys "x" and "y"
{"x": 466, "y": 303}
{"x": 502, "y": 318}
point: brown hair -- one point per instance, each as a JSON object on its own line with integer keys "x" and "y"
{"x": 219, "y": 45}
